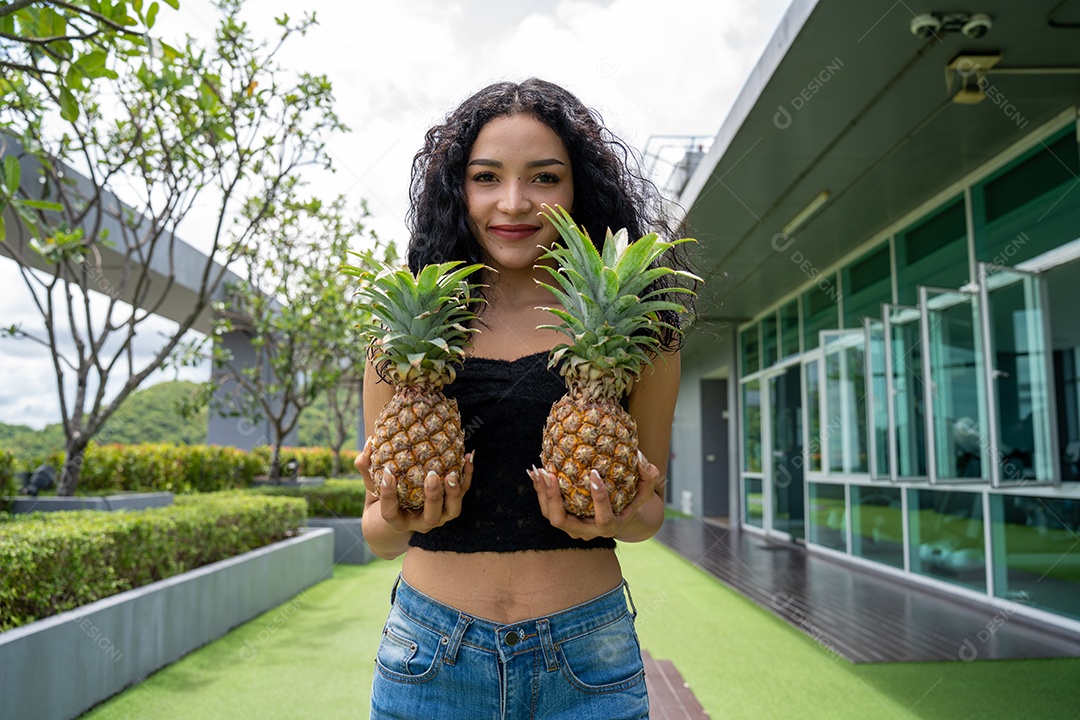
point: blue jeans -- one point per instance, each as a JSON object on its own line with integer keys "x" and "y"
{"x": 436, "y": 663}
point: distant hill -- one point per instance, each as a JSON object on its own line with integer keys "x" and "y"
{"x": 150, "y": 415}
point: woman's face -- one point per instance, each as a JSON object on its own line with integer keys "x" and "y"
{"x": 517, "y": 164}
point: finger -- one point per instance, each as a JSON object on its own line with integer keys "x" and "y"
{"x": 452, "y": 496}
{"x": 362, "y": 463}
{"x": 604, "y": 516}
{"x": 556, "y": 512}
{"x": 388, "y": 500}
{"x": 646, "y": 469}
{"x": 540, "y": 488}
{"x": 433, "y": 500}
{"x": 466, "y": 480}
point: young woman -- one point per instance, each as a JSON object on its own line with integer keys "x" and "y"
{"x": 506, "y": 605}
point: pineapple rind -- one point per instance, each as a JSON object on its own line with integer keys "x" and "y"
{"x": 408, "y": 460}
{"x": 581, "y": 436}
{"x": 418, "y": 334}
{"x": 610, "y": 317}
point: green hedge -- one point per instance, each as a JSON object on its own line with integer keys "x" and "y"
{"x": 337, "y": 498}
{"x": 313, "y": 462}
{"x": 8, "y": 486}
{"x": 175, "y": 468}
{"x": 54, "y": 562}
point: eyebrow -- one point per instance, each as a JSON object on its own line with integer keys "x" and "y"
{"x": 535, "y": 163}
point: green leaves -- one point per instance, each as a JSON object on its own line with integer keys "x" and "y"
{"x": 418, "y": 324}
{"x": 611, "y": 300}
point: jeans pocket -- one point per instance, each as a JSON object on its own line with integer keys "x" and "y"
{"x": 408, "y": 651}
{"x": 605, "y": 660}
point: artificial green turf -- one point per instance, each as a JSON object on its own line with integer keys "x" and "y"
{"x": 312, "y": 658}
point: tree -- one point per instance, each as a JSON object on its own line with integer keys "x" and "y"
{"x": 344, "y": 402}
{"x": 293, "y": 307}
{"x": 69, "y": 43}
{"x": 107, "y": 154}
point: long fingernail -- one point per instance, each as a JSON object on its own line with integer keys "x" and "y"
{"x": 548, "y": 479}
{"x": 387, "y": 478}
{"x": 641, "y": 457}
{"x": 451, "y": 479}
{"x": 595, "y": 485}
{"x": 431, "y": 479}
{"x": 367, "y": 444}
{"x": 472, "y": 457}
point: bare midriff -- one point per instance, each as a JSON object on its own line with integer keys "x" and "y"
{"x": 510, "y": 587}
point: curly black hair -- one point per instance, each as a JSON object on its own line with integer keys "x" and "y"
{"x": 610, "y": 191}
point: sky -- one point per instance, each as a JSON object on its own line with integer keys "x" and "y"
{"x": 650, "y": 69}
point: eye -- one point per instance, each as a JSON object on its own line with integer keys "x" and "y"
{"x": 547, "y": 178}
{"x": 484, "y": 177}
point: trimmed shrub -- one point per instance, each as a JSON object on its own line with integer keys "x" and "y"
{"x": 313, "y": 462}
{"x": 175, "y": 468}
{"x": 55, "y": 562}
{"x": 7, "y": 480}
{"x": 337, "y": 498}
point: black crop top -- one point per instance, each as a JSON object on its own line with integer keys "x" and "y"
{"x": 504, "y": 405}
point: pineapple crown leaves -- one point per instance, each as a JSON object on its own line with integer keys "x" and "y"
{"x": 418, "y": 330}
{"x": 608, "y": 310}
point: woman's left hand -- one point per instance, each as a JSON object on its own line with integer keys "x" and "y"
{"x": 605, "y": 523}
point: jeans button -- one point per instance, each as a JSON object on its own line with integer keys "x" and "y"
{"x": 512, "y": 638}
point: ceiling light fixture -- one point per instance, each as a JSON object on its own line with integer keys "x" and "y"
{"x": 804, "y": 214}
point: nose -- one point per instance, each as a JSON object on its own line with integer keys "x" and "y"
{"x": 514, "y": 198}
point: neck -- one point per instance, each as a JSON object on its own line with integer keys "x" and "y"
{"x": 518, "y": 288}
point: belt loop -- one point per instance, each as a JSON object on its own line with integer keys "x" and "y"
{"x": 393, "y": 590}
{"x": 455, "y": 638}
{"x": 543, "y": 628}
{"x": 633, "y": 608}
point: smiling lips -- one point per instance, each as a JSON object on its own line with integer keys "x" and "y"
{"x": 513, "y": 232}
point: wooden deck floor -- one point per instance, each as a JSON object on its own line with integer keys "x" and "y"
{"x": 862, "y": 615}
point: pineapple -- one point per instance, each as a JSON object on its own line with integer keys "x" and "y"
{"x": 417, "y": 336}
{"x": 606, "y": 312}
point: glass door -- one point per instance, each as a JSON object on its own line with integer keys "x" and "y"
{"x": 1017, "y": 376}
{"x": 958, "y": 441}
{"x": 905, "y": 393}
{"x": 785, "y": 492}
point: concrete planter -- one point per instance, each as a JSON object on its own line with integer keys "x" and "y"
{"x": 120, "y": 501}
{"x": 59, "y": 667}
{"x": 349, "y": 545}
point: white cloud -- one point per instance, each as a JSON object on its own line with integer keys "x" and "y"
{"x": 398, "y": 67}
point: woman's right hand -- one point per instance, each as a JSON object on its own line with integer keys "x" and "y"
{"x": 386, "y": 526}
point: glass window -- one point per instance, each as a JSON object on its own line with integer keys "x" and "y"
{"x": 1018, "y": 355}
{"x": 1067, "y": 365}
{"x": 752, "y": 426}
{"x": 813, "y": 415}
{"x": 845, "y": 402}
{"x": 905, "y": 352}
{"x": 751, "y": 350}
{"x": 828, "y": 516}
{"x": 1036, "y": 557}
{"x": 877, "y": 524}
{"x": 769, "y": 340}
{"x": 947, "y": 541}
{"x": 789, "y": 329}
{"x": 821, "y": 310}
{"x": 753, "y": 508}
{"x": 958, "y": 414}
{"x": 933, "y": 252}
{"x": 878, "y": 401}
{"x": 867, "y": 284}
{"x": 1024, "y": 210}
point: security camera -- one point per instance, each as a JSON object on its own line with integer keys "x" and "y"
{"x": 925, "y": 25}
{"x": 977, "y": 25}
